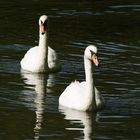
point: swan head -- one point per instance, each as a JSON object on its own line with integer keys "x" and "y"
{"x": 42, "y": 24}
{"x": 91, "y": 53}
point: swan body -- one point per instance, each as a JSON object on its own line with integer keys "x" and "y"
{"x": 84, "y": 96}
{"x": 41, "y": 58}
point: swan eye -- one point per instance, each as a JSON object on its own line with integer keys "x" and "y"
{"x": 41, "y": 22}
{"x": 92, "y": 53}
{"x": 45, "y": 23}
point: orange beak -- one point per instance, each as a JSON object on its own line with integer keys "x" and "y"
{"x": 95, "y": 60}
{"x": 42, "y": 29}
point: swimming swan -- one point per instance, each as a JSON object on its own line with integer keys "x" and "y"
{"x": 84, "y": 96}
{"x": 42, "y": 58}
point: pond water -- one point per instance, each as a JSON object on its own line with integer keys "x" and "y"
{"x": 29, "y": 102}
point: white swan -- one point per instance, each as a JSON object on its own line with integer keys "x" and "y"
{"x": 84, "y": 96}
{"x": 42, "y": 58}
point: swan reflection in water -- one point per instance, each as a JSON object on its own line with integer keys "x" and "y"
{"x": 87, "y": 119}
{"x": 42, "y": 84}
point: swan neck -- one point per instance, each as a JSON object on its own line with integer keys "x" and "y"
{"x": 90, "y": 83}
{"x": 43, "y": 51}
{"x": 88, "y": 71}
{"x": 43, "y": 41}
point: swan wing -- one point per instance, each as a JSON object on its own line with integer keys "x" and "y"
{"x": 31, "y": 58}
{"x": 100, "y": 102}
{"x": 73, "y": 95}
{"x": 53, "y": 62}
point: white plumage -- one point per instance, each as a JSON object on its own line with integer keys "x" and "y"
{"x": 41, "y": 58}
{"x": 84, "y": 96}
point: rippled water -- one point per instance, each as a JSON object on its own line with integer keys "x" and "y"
{"x": 29, "y": 103}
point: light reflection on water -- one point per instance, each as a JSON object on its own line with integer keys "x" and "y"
{"x": 83, "y": 122}
{"x": 41, "y": 85}
{"x": 31, "y": 101}
{"x": 40, "y": 82}
{"x": 118, "y": 93}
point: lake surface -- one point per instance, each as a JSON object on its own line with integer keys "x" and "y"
{"x": 29, "y": 102}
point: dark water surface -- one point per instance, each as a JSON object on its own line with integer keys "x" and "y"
{"x": 29, "y": 103}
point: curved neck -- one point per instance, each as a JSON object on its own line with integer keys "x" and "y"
{"x": 90, "y": 95}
